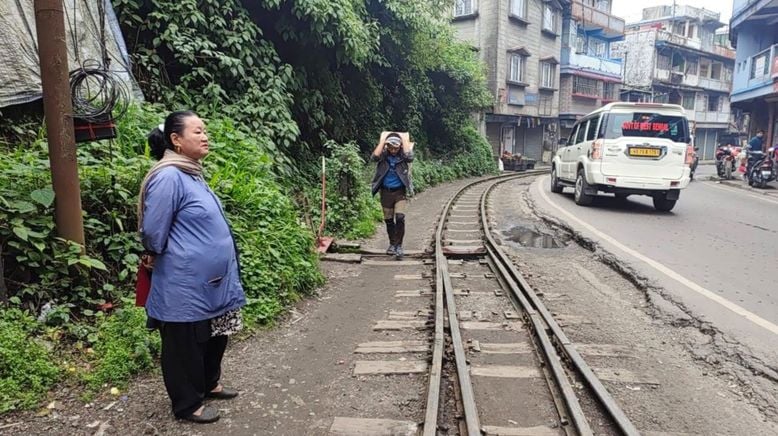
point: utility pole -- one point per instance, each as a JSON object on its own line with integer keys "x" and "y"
{"x": 58, "y": 110}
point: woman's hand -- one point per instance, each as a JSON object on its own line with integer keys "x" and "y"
{"x": 147, "y": 260}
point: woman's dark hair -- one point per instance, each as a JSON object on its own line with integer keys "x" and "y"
{"x": 160, "y": 141}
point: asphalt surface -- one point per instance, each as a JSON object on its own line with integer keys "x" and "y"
{"x": 713, "y": 256}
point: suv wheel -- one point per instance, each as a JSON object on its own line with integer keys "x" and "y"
{"x": 662, "y": 204}
{"x": 556, "y": 188}
{"x": 581, "y": 197}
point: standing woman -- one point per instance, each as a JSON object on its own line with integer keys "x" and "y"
{"x": 196, "y": 291}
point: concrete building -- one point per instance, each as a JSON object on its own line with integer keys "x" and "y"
{"x": 754, "y": 31}
{"x": 520, "y": 41}
{"x": 590, "y": 77}
{"x": 672, "y": 56}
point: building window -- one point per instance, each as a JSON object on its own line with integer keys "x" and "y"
{"x": 546, "y": 104}
{"x": 603, "y": 5}
{"x": 547, "y": 75}
{"x": 679, "y": 63}
{"x": 580, "y": 42}
{"x": 597, "y": 47}
{"x": 691, "y": 67}
{"x": 464, "y": 7}
{"x": 690, "y": 31}
{"x": 760, "y": 65}
{"x": 663, "y": 62}
{"x": 585, "y": 86}
{"x": 714, "y": 103}
{"x": 679, "y": 28}
{"x": 704, "y": 68}
{"x": 715, "y": 71}
{"x": 516, "y": 68}
{"x": 519, "y": 8}
{"x": 689, "y": 101}
{"x": 550, "y": 18}
{"x": 610, "y": 91}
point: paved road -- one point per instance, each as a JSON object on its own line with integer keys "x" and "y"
{"x": 716, "y": 252}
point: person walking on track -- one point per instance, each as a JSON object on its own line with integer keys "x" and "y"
{"x": 394, "y": 154}
{"x": 196, "y": 292}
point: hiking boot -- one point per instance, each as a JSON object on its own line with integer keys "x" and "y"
{"x": 398, "y": 252}
{"x": 391, "y": 250}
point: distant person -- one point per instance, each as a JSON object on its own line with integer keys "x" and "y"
{"x": 196, "y": 293}
{"x": 754, "y": 146}
{"x": 394, "y": 153}
{"x": 757, "y": 142}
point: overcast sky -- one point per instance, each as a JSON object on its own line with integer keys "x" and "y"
{"x": 631, "y": 10}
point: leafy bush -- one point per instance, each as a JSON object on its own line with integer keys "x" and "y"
{"x": 124, "y": 347}
{"x": 351, "y": 210}
{"x": 472, "y": 156}
{"x": 27, "y": 370}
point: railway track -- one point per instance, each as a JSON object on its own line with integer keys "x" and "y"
{"x": 490, "y": 356}
{"x": 494, "y": 360}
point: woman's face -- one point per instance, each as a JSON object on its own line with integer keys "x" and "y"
{"x": 193, "y": 142}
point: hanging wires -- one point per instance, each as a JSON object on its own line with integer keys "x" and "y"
{"x": 98, "y": 94}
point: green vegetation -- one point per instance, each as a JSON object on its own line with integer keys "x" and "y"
{"x": 124, "y": 347}
{"x": 281, "y": 85}
{"x": 26, "y": 369}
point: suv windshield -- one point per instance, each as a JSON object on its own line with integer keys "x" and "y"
{"x": 645, "y": 125}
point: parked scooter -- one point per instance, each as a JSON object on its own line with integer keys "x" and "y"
{"x": 761, "y": 168}
{"x": 725, "y": 160}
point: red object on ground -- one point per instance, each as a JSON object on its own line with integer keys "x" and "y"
{"x": 142, "y": 286}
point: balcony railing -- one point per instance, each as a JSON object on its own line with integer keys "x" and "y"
{"x": 589, "y": 16}
{"x": 664, "y": 35}
{"x": 711, "y": 117}
{"x": 674, "y": 38}
{"x": 677, "y": 78}
{"x": 590, "y": 63}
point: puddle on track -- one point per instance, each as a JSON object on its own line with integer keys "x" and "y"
{"x": 530, "y": 237}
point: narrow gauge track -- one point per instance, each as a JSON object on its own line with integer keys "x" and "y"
{"x": 520, "y": 375}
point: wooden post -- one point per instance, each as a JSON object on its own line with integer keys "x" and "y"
{"x": 58, "y": 110}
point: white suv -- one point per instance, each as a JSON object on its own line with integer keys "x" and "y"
{"x": 627, "y": 149}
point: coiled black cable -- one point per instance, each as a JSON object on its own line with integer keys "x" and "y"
{"x": 98, "y": 94}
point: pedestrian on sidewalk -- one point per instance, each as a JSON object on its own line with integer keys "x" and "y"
{"x": 394, "y": 154}
{"x": 196, "y": 293}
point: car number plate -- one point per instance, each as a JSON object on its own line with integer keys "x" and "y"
{"x": 644, "y": 152}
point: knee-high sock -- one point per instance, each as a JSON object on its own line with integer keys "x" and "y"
{"x": 399, "y": 228}
{"x": 391, "y": 230}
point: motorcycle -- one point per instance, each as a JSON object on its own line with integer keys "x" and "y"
{"x": 725, "y": 160}
{"x": 761, "y": 168}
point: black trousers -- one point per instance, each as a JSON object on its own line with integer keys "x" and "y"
{"x": 191, "y": 363}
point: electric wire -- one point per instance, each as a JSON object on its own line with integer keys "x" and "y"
{"x": 98, "y": 94}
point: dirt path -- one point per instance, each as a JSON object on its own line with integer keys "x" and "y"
{"x": 297, "y": 377}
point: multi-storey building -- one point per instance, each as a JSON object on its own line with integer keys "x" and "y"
{"x": 520, "y": 41}
{"x": 672, "y": 56}
{"x": 754, "y": 31}
{"x": 590, "y": 77}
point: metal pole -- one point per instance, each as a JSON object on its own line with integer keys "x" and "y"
{"x": 58, "y": 110}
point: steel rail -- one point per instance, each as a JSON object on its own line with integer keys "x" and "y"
{"x": 533, "y": 305}
{"x": 444, "y": 299}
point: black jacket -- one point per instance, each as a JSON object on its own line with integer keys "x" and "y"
{"x": 403, "y": 170}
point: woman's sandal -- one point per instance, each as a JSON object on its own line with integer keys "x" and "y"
{"x": 207, "y": 416}
{"x": 224, "y": 394}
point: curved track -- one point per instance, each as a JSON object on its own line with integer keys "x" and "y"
{"x": 497, "y": 355}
